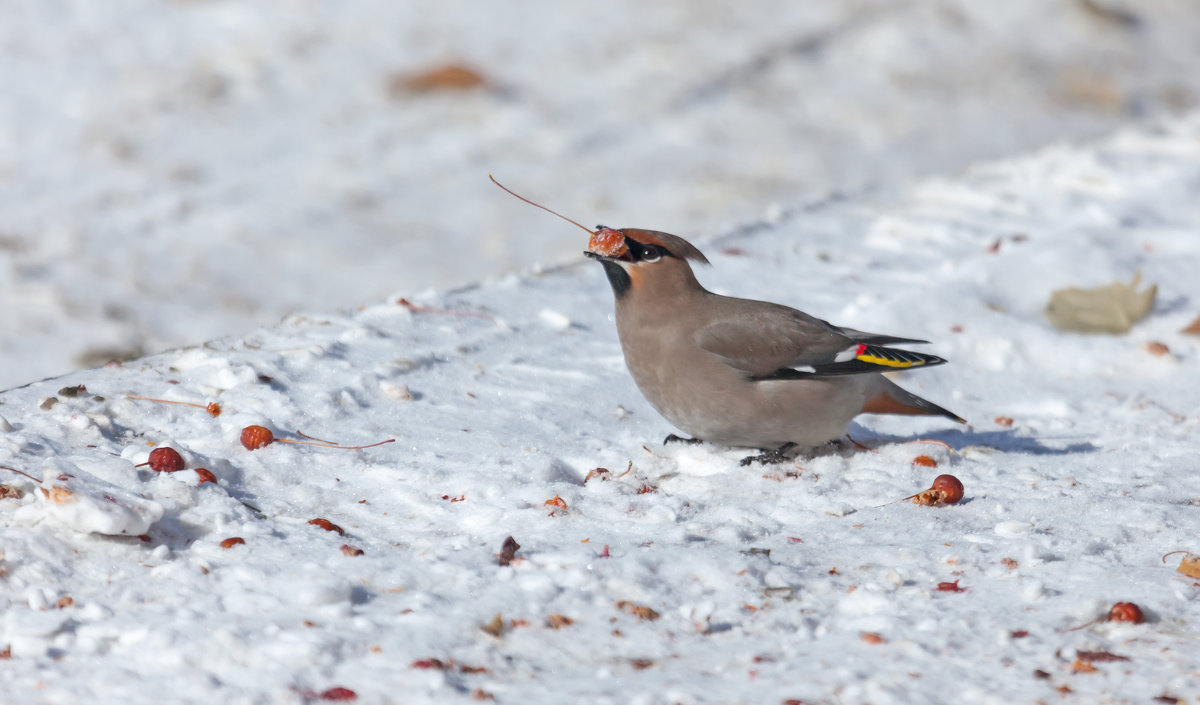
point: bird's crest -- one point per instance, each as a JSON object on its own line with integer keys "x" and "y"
{"x": 675, "y": 245}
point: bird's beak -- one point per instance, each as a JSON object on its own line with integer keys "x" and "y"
{"x": 625, "y": 256}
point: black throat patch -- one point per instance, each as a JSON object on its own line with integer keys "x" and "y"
{"x": 617, "y": 277}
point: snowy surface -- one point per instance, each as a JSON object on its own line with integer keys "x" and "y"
{"x": 177, "y": 170}
{"x": 806, "y": 581}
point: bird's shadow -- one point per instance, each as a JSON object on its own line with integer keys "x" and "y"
{"x": 1007, "y": 441}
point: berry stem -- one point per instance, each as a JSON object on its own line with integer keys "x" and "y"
{"x": 538, "y": 205}
{"x": 332, "y": 445}
{"x": 302, "y": 434}
{"x": 444, "y": 311}
{"x": 21, "y": 472}
{"x": 212, "y": 408}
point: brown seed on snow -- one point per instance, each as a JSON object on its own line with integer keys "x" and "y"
{"x": 232, "y": 541}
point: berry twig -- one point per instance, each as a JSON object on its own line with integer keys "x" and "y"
{"x": 21, "y": 472}
{"x": 444, "y": 311}
{"x": 212, "y": 408}
{"x": 255, "y": 437}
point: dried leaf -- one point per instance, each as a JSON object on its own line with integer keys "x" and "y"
{"x": 432, "y": 663}
{"x": 1189, "y": 566}
{"x": 601, "y": 473}
{"x": 448, "y": 77}
{"x": 508, "y": 551}
{"x": 1081, "y": 666}
{"x": 328, "y": 526}
{"x": 558, "y": 621}
{"x": 949, "y": 587}
{"x": 1193, "y": 328}
{"x": 639, "y": 611}
{"x": 1107, "y": 309}
{"x": 496, "y": 626}
{"x": 1099, "y": 657}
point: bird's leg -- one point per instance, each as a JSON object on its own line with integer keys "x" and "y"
{"x": 677, "y": 439}
{"x": 782, "y": 454}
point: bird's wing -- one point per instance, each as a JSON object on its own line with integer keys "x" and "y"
{"x": 769, "y": 341}
{"x": 859, "y": 336}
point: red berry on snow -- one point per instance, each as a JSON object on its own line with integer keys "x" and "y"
{"x": 1126, "y": 612}
{"x": 206, "y": 476}
{"x": 255, "y": 437}
{"x": 165, "y": 460}
{"x": 946, "y": 489}
{"x": 950, "y": 487}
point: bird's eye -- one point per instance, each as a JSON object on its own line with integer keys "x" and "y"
{"x": 650, "y": 253}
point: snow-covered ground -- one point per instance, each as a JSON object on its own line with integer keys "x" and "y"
{"x": 678, "y": 576}
{"x": 173, "y": 170}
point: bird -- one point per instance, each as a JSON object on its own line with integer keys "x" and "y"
{"x": 740, "y": 372}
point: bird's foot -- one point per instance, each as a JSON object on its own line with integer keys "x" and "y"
{"x": 677, "y": 439}
{"x": 782, "y": 454}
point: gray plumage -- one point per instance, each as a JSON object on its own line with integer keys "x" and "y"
{"x": 746, "y": 373}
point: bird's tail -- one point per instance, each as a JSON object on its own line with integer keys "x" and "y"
{"x": 893, "y": 399}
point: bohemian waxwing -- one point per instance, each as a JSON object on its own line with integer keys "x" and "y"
{"x": 740, "y": 372}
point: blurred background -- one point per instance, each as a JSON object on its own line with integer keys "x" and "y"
{"x": 177, "y": 170}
